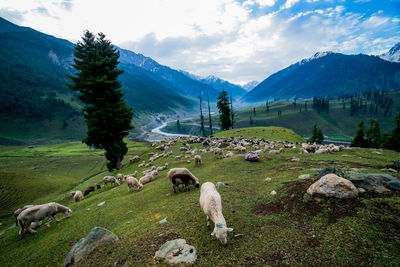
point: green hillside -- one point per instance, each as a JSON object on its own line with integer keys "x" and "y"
{"x": 271, "y": 230}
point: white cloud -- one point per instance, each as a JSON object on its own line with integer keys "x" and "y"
{"x": 289, "y": 3}
{"x": 263, "y": 3}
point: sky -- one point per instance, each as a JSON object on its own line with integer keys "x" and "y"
{"x": 236, "y": 40}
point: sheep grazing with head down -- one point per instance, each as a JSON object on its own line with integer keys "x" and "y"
{"x": 182, "y": 176}
{"x": 132, "y": 182}
{"x": 77, "y": 195}
{"x": 197, "y": 160}
{"x": 274, "y": 152}
{"x": 148, "y": 177}
{"x": 210, "y": 202}
{"x": 229, "y": 154}
{"x": 33, "y": 225}
{"x": 111, "y": 180}
{"x": 218, "y": 151}
{"x": 38, "y": 213}
{"x": 121, "y": 178}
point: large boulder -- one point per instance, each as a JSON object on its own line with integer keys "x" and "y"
{"x": 252, "y": 156}
{"x": 332, "y": 185}
{"x": 331, "y": 169}
{"x": 177, "y": 251}
{"x": 374, "y": 182}
{"x": 98, "y": 237}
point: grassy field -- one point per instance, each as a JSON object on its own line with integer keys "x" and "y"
{"x": 337, "y": 124}
{"x": 275, "y": 230}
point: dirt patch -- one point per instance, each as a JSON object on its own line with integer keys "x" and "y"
{"x": 301, "y": 211}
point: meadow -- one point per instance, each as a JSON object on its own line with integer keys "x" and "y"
{"x": 268, "y": 230}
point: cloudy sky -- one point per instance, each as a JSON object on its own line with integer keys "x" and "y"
{"x": 237, "y": 40}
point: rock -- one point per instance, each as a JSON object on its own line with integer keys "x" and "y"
{"x": 294, "y": 159}
{"x": 315, "y": 169}
{"x": 98, "y": 237}
{"x": 163, "y": 221}
{"x": 305, "y": 176}
{"x": 377, "y": 152}
{"x": 396, "y": 163}
{"x": 389, "y": 170}
{"x": 268, "y": 179}
{"x": 361, "y": 190}
{"x": 252, "y": 156}
{"x": 238, "y": 236}
{"x": 273, "y": 193}
{"x": 295, "y": 168}
{"x": 177, "y": 251}
{"x": 221, "y": 184}
{"x": 332, "y": 169}
{"x": 374, "y": 182}
{"x": 332, "y": 185}
{"x": 101, "y": 204}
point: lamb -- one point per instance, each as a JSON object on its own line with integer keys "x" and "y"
{"x": 38, "y": 213}
{"x": 210, "y": 202}
{"x": 77, "y": 195}
{"x": 178, "y": 176}
{"x": 110, "y": 179}
{"x": 132, "y": 182}
{"x": 197, "y": 160}
{"x": 276, "y": 151}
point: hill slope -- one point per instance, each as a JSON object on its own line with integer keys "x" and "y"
{"x": 326, "y": 74}
{"x": 268, "y": 230}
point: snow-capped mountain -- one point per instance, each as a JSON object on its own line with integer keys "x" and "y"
{"x": 250, "y": 85}
{"x": 393, "y": 54}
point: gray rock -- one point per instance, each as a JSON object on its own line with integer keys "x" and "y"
{"x": 374, "y": 182}
{"x": 361, "y": 190}
{"x": 396, "y": 163}
{"x": 331, "y": 169}
{"x": 177, "y": 251}
{"x": 377, "y": 152}
{"x": 252, "y": 156}
{"x": 305, "y": 176}
{"x": 221, "y": 184}
{"x": 332, "y": 185}
{"x": 98, "y": 237}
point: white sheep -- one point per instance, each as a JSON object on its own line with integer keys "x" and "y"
{"x": 132, "y": 182}
{"x": 276, "y": 151}
{"x": 121, "y": 178}
{"x": 197, "y": 160}
{"x": 38, "y": 213}
{"x": 210, "y": 202}
{"x": 148, "y": 177}
{"x": 229, "y": 154}
{"x": 218, "y": 151}
{"x": 77, "y": 195}
{"x": 110, "y": 179}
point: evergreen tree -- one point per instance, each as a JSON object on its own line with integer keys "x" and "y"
{"x": 320, "y": 137}
{"x": 316, "y": 135}
{"x": 359, "y": 140}
{"x": 394, "y": 142}
{"x": 107, "y": 116}
{"x": 373, "y": 134}
{"x": 224, "y": 110}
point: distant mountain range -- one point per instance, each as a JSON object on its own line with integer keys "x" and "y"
{"x": 328, "y": 73}
{"x": 393, "y": 54}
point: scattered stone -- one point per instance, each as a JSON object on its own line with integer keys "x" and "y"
{"x": 238, "y": 235}
{"x": 296, "y": 168}
{"x": 374, "y": 182}
{"x": 221, "y": 184}
{"x": 101, "y": 204}
{"x": 377, "y": 152}
{"x": 305, "y": 176}
{"x": 177, "y": 251}
{"x": 315, "y": 169}
{"x": 361, "y": 190}
{"x": 332, "y": 185}
{"x": 294, "y": 159}
{"x": 273, "y": 193}
{"x": 252, "y": 156}
{"x": 98, "y": 237}
{"x": 188, "y": 161}
{"x": 163, "y": 221}
{"x": 268, "y": 179}
{"x": 88, "y": 208}
{"x": 332, "y": 169}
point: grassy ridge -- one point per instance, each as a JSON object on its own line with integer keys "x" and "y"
{"x": 291, "y": 234}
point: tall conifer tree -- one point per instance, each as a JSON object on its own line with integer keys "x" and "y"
{"x": 107, "y": 116}
{"x": 224, "y": 110}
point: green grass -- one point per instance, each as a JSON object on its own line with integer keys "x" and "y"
{"x": 268, "y": 133}
{"x": 369, "y": 237}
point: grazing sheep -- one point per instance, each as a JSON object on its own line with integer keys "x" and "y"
{"x": 146, "y": 179}
{"x": 210, "y": 202}
{"x": 276, "y": 151}
{"x": 303, "y": 151}
{"x": 218, "y": 151}
{"x": 183, "y": 176}
{"x": 148, "y": 164}
{"x": 197, "y": 160}
{"x": 18, "y": 212}
{"x": 121, "y": 177}
{"x": 133, "y": 174}
{"x": 77, "y": 195}
{"x": 132, "y": 182}
{"x": 134, "y": 159}
{"x": 110, "y": 179}
{"x": 39, "y": 213}
{"x": 142, "y": 164}
{"x": 88, "y": 190}
{"x": 98, "y": 186}
{"x": 228, "y": 154}
{"x": 178, "y": 157}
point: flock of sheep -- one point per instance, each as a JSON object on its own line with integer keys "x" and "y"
{"x": 31, "y": 216}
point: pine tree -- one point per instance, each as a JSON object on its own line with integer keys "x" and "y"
{"x": 395, "y": 137}
{"x": 359, "y": 140}
{"x": 373, "y": 134}
{"x": 320, "y": 137}
{"x": 316, "y": 135}
{"x": 224, "y": 110}
{"x": 107, "y": 116}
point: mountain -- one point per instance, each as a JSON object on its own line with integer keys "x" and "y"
{"x": 327, "y": 73}
{"x": 393, "y": 54}
{"x": 250, "y": 85}
{"x": 33, "y": 84}
{"x": 179, "y": 82}
{"x": 219, "y": 84}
